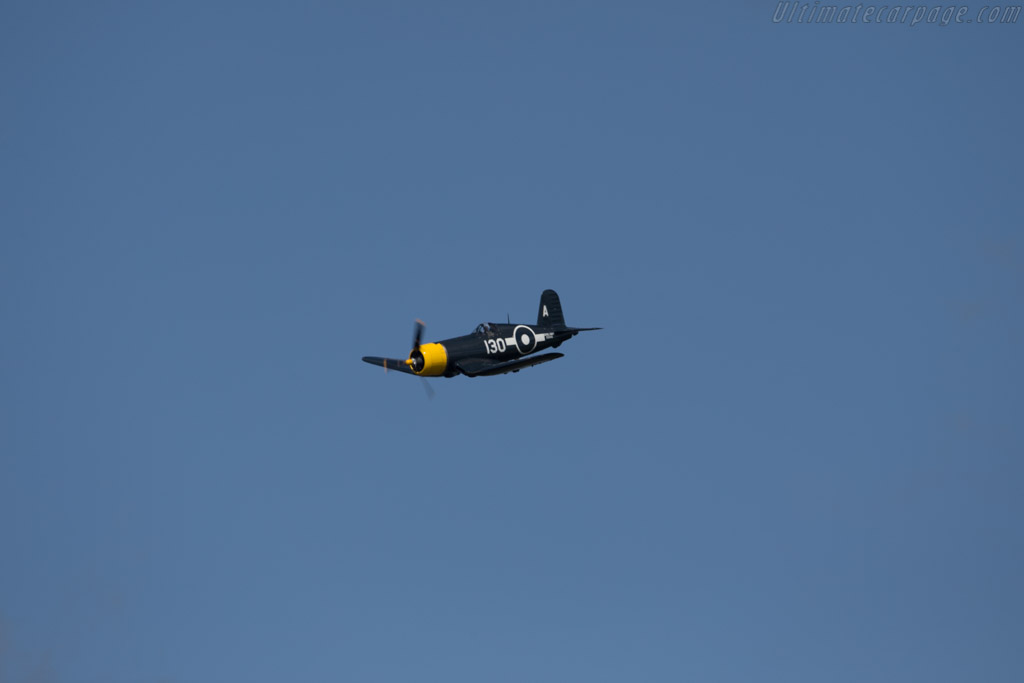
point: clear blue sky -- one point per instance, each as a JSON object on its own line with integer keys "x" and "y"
{"x": 793, "y": 454}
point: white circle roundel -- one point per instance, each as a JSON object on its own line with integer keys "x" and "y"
{"x": 525, "y": 339}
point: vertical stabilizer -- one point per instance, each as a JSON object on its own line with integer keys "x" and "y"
{"x": 550, "y": 312}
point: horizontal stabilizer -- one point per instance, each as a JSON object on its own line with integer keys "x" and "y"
{"x": 478, "y": 367}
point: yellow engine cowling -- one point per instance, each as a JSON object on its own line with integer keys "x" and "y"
{"x": 435, "y": 360}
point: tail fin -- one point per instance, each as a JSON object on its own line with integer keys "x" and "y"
{"x": 550, "y": 312}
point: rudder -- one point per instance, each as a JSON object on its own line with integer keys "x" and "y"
{"x": 550, "y": 312}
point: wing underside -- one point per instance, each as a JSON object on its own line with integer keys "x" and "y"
{"x": 389, "y": 364}
{"x": 479, "y": 367}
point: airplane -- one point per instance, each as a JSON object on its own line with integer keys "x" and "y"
{"x": 492, "y": 348}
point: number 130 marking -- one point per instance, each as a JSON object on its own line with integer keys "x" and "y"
{"x": 494, "y": 345}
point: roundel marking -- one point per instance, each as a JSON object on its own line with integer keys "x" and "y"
{"x": 525, "y": 339}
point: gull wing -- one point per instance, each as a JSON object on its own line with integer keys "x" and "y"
{"x": 481, "y": 367}
{"x": 389, "y": 364}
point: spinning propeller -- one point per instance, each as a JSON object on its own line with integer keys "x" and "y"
{"x": 416, "y": 357}
{"x": 415, "y": 360}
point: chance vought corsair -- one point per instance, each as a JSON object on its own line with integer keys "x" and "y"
{"x": 492, "y": 348}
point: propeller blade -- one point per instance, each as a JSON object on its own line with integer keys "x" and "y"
{"x": 427, "y": 388}
{"x": 418, "y": 334}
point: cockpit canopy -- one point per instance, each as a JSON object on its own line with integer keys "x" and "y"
{"x": 488, "y": 329}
